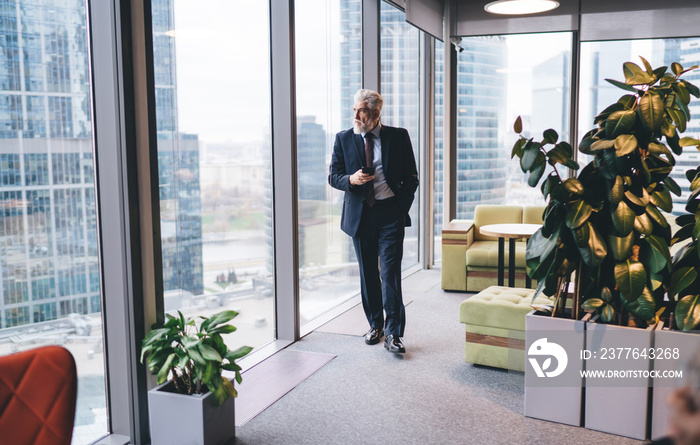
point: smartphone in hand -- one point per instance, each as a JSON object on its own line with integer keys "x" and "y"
{"x": 368, "y": 170}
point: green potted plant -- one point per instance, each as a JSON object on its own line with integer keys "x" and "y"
{"x": 194, "y": 403}
{"x": 682, "y": 306}
{"x": 604, "y": 230}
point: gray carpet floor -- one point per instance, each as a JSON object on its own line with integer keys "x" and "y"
{"x": 427, "y": 396}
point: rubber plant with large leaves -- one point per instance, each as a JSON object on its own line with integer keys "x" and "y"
{"x": 604, "y": 230}
{"x": 684, "y": 289}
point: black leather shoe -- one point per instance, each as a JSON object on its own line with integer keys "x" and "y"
{"x": 393, "y": 343}
{"x": 374, "y": 336}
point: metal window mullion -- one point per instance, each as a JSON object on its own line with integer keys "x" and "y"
{"x": 118, "y": 204}
{"x": 449, "y": 201}
{"x": 284, "y": 170}
{"x": 371, "y": 77}
{"x": 425, "y": 228}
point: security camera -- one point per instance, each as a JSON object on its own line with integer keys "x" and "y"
{"x": 456, "y": 41}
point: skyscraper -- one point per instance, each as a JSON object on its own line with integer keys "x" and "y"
{"x": 48, "y": 240}
{"x": 481, "y": 99}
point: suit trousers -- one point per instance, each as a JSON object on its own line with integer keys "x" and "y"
{"x": 379, "y": 248}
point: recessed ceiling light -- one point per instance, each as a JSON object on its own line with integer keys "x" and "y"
{"x": 516, "y": 7}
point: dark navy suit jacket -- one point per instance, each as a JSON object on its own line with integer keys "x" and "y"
{"x": 399, "y": 166}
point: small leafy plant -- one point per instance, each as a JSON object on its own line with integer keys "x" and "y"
{"x": 193, "y": 356}
{"x": 606, "y": 224}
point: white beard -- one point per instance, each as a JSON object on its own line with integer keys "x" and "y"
{"x": 359, "y": 128}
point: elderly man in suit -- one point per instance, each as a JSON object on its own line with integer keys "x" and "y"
{"x": 374, "y": 165}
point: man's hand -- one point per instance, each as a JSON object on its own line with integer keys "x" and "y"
{"x": 684, "y": 417}
{"x": 359, "y": 178}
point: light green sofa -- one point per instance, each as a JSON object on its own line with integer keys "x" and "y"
{"x": 470, "y": 259}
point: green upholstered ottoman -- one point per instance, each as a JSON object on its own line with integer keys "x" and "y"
{"x": 494, "y": 320}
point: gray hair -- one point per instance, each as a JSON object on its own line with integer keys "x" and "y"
{"x": 373, "y": 99}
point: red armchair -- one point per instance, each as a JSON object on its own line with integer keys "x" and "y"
{"x": 38, "y": 390}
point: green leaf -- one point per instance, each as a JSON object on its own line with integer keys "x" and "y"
{"x": 518, "y": 125}
{"x": 642, "y": 224}
{"x": 647, "y": 66}
{"x": 692, "y": 89}
{"x": 688, "y": 312}
{"x": 631, "y": 278}
{"x": 682, "y": 92}
{"x": 659, "y": 149}
{"x": 680, "y": 280}
{"x": 209, "y": 353}
{"x": 657, "y": 253}
{"x": 574, "y": 186}
{"x": 625, "y": 144}
{"x": 582, "y": 234}
{"x": 228, "y": 386}
{"x": 642, "y": 307}
{"x": 550, "y": 137}
{"x": 617, "y": 106}
{"x": 620, "y": 247}
{"x": 679, "y": 119}
{"x": 623, "y": 218}
{"x": 606, "y": 294}
{"x": 630, "y": 69}
{"x": 688, "y": 142}
{"x": 578, "y": 213}
{"x": 530, "y": 155}
{"x": 592, "y": 304}
{"x": 683, "y": 233}
{"x": 225, "y": 329}
{"x": 601, "y": 144}
{"x": 607, "y": 314}
{"x": 518, "y": 148}
{"x": 219, "y": 318}
{"x": 624, "y": 86}
{"x": 656, "y": 216}
{"x": 677, "y": 68}
{"x": 672, "y": 186}
{"x": 238, "y": 353}
{"x": 585, "y": 145}
{"x": 620, "y": 122}
{"x": 617, "y": 191}
{"x": 638, "y": 201}
{"x": 661, "y": 198}
{"x": 165, "y": 368}
{"x": 651, "y": 110}
{"x": 558, "y": 156}
{"x": 596, "y": 251}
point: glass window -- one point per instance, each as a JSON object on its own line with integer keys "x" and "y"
{"x": 212, "y": 91}
{"x": 500, "y": 78}
{"x": 438, "y": 155}
{"x": 603, "y": 60}
{"x": 328, "y": 73}
{"x": 48, "y": 236}
{"x": 400, "y": 89}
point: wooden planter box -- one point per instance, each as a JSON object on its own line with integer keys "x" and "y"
{"x": 178, "y": 419}
{"x": 557, "y": 399}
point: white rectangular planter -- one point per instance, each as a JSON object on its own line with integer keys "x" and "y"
{"x": 179, "y": 419}
{"x": 559, "y": 398}
{"x": 614, "y": 405}
{"x": 665, "y": 341}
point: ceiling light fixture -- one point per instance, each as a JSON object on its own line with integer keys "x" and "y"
{"x": 518, "y": 7}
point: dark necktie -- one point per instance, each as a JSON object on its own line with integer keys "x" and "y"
{"x": 369, "y": 160}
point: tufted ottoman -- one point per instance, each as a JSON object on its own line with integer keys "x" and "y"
{"x": 494, "y": 320}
